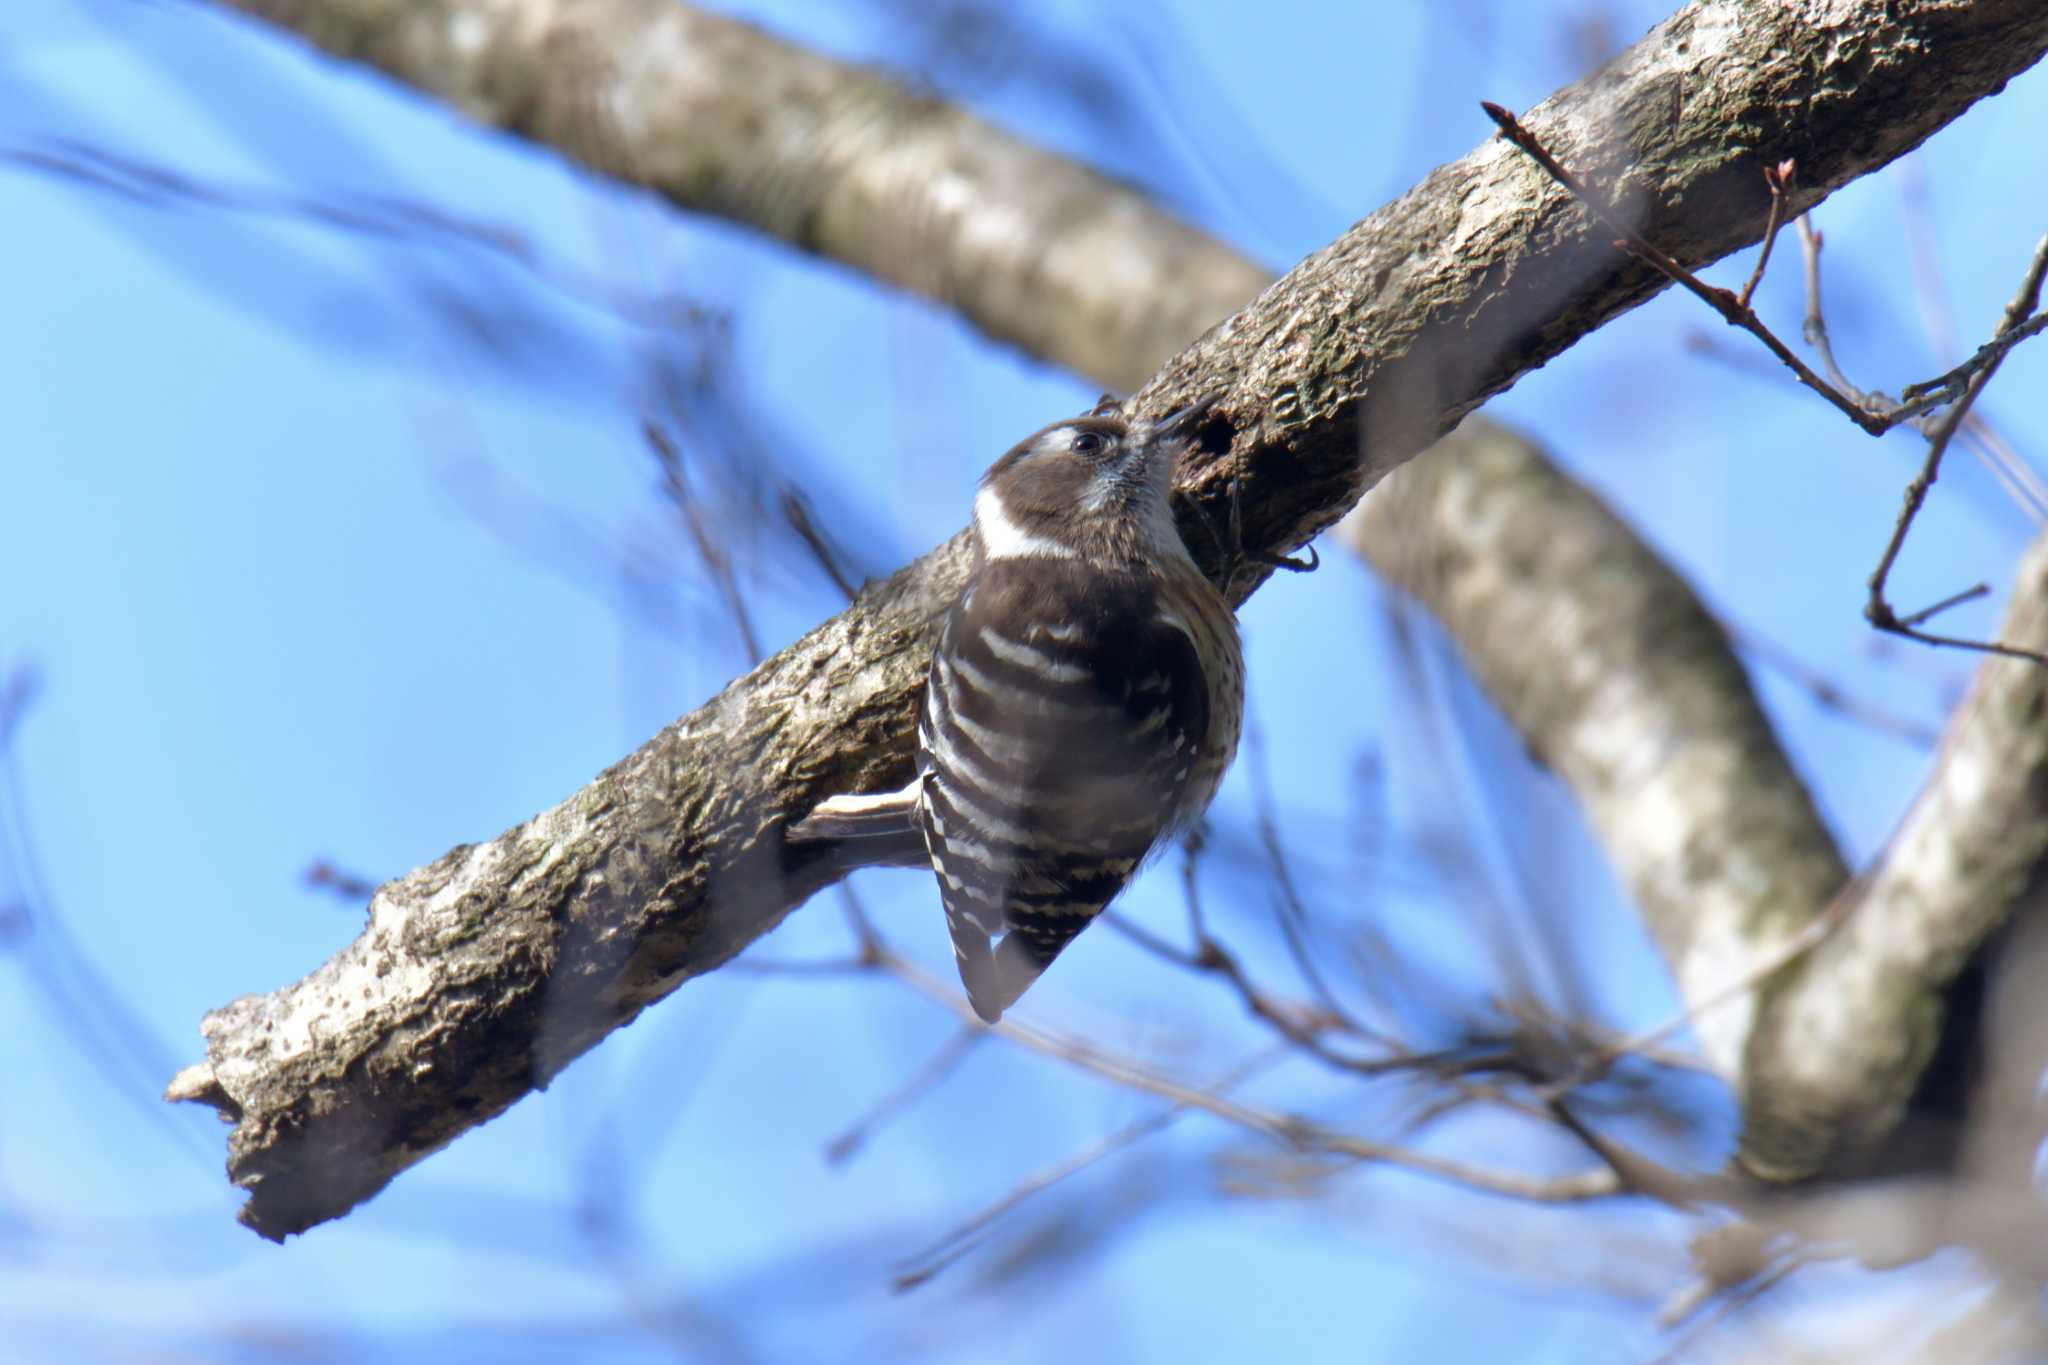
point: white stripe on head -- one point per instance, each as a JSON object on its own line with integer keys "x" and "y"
{"x": 1003, "y": 538}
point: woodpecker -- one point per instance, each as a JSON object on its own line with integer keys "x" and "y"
{"x": 1084, "y": 700}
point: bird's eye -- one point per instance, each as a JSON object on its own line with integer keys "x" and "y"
{"x": 1087, "y": 442}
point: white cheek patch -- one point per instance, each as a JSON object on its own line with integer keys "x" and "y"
{"x": 1003, "y": 538}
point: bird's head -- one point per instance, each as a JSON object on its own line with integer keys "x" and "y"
{"x": 1096, "y": 488}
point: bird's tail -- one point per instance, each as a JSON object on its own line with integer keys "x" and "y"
{"x": 876, "y": 830}
{"x": 995, "y": 972}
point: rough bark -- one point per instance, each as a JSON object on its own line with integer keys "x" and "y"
{"x": 481, "y": 975}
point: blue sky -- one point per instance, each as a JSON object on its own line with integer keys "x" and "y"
{"x": 321, "y": 545}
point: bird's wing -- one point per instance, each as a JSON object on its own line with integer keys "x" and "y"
{"x": 1060, "y": 725}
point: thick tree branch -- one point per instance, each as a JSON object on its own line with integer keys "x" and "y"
{"x": 481, "y": 975}
{"x": 839, "y": 160}
{"x": 1842, "y": 1038}
{"x": 1627, "y": 688}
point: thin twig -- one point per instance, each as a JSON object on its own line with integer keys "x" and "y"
{"x": 796, "y": 510}
{"x": 917, "y": 1270}
{"x": 1814, "y": 327}
{"x": 1915, "y": 204}
{"x": 1944, "y": 387}
{"x": 866, "y": 940}
{"x": 2014, "y": 475}
{"x": 816, "y": 966}
{"x": 1149, "y": 941}
{"x": 2021, "y": 483}
{"x": 351, "y": 887}
{"x": 1634, "y": 1170}
{"x": 1871, "y": 412}
{"x": 1291, "y": 1130}
{"x": 1722, "y": 301}
{"x": 1963, "y": 384}
{"x": 1287, "y": 1016}
{"x": 1828, "y": 694}
{"x": 1877, "y": 609}
{"x": 1293, "y": 912}
{"x": 716, "y": 558}
{"x": 1301, "y": 1024}
{"x": 1779, "y": 179}
{"x": 920, "y": 1082}
{"x": 1810, "y": 935}
{"x": 369, "y": 216}
{"x": 1737, "y": 1298}
{"x": 1969, "y": 594}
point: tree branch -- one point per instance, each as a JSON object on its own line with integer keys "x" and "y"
{"x": 842, "y": 161}
{"x": 1841, "y": 1039}
{"x": 1601, "y": 656}
{"x": 1624, "y": 685}
{"x": 482, "y": 974}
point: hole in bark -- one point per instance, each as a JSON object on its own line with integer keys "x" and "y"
{"x": 1213, "y": 437}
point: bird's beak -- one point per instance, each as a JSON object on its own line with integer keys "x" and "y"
{"x": 1180, "y": 424}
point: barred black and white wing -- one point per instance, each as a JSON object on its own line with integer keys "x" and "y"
{"x": 1065, "y": 714}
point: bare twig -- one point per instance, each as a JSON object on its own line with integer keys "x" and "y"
{"x": 1969, "y": 594}
{"x": 919, "y": 1269}
{"x": 1733, "y": 1299}
{"x": 1814, "y": 327}
{"x": 1916, "y": 207}
{"x": 796, "y": 510}
{"x": 2013, "y": 474}
{"x": 817, "y": 966}
{"x": 1733, "y": 310}
{"x": 1871, "y": 412}
{"x": 346, "y": 885}
{"x": 1809, "y": 935}
{"x": 1779, "y": 179}
{"x": 1943, "y": 388}
{"x": 716, "y": 558}
{"x": 1293, "y": 912}
{"x": 1827, "y": 693}
{"x": 2021, "y": 483}
{"x": 2015, "y": 321}
{"x": 1149, "y": 941}
{"x": 1300, "y": 1023}
{"x": 373, "y": 217}
{"x": 1289, "y": 1129}
{"x": 864, "y": 935}
{"x": 1634, "y": 1170}
{"x": 936, "y": 1068}
{"x": 1959, "y": 387}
